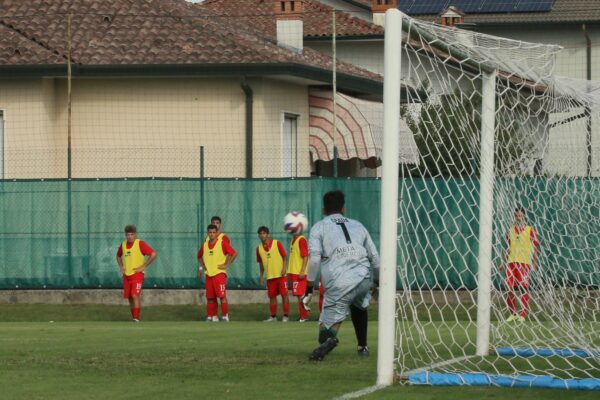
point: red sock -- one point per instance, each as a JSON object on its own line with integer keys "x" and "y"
{"x": 273, "y": 308}
{"x": 286, "y": 309}
{"x": 211, "y": 309}
{"x": 510, "y": 301}
{"x": 524, "y": 304}
{"x": 303, "y": 312}
{"x": 135, "y": 313}
{"x": 224, "y": 308}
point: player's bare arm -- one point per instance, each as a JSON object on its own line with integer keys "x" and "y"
{"x": 262, "y": 272}
{"x": 284, "y": 269}
{"x": 149, "y": 261}
{"x": 228, "y": 262}
{"x": 120, "y": 262}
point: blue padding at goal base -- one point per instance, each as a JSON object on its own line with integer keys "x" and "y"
{"x": 530, "y": 352}
{"x": 481, "y": 379}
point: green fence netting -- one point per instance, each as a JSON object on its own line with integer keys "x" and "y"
{"x": 42, "y": 247}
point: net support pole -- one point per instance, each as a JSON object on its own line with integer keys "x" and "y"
{"x": 486, "y": 212}
{"x": 389, "y": 197}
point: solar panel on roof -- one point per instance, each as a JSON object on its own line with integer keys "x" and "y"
{"x": 424, "y": 7}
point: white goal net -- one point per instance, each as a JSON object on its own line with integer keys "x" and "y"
{"x": 489, "y": 296}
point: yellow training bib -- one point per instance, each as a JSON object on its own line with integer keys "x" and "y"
{"x": 521, "y": 248}
{"x": 132, "y": 258}
{"x": 271, "y": 260}
{"x": 214, "y": 257}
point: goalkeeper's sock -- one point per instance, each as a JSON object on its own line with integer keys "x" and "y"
{"x": 273, "y": 309}
{"x": 325, "y": 334}
{"x": 135, "y": 313}
{"x": 360, "y": 320}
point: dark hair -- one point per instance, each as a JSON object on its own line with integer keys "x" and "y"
{"x": 520, "y": 208}
{"x": 211, "y": 226}
{"x": 130, "y": 229}
{"x": 263, "y": 229}
{"x": 216, "y": 218}
{"x": 333, "y": 202}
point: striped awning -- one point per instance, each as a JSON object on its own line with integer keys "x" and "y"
{"x": 359, "y": 126}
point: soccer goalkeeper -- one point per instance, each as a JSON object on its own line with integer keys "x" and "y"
{"x": 349, "y": 262}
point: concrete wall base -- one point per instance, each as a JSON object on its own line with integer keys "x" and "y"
{"x": 150, "y": 297}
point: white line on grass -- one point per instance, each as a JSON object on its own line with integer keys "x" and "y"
{"x": 360, "y": 393}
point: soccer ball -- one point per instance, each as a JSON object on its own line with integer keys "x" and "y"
{"x": 295, "y": 223}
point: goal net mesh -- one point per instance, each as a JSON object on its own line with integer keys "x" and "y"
{"x": 544, "y": 322}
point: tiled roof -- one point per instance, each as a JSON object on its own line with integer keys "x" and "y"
{"x": 562, "y": 11}
{"x": 141, "y": 33}
{"x": 317, "y": 18}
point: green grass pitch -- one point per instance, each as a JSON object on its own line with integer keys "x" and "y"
{"x": 95, "y": 352}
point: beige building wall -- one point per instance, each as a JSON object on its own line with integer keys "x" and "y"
{"x": 148, "y": 127}
{"x": 272, "y": 100}
{"x": 32, "y": 148}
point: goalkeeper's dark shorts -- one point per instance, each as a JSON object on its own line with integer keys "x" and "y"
{"x": 336, "y": 310}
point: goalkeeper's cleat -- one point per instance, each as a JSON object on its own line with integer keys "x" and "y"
{"x": 521, "y": 318}
{"x": 225, "y": 318}
{"x": 511, "y": 318}
{"x": 215, "y": 318}
{"x": 285, "y": 319}
{"x": 306, "y": 301}
{"x": 362, "y": 351}
{"x": 303, "y": 320}
{"x": 271, "y": 319}
{"x": 209, "y": 319}
{"x": 136, "y": 320}
{"x": 320, "y": 352}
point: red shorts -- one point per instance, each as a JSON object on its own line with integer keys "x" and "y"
{"x": 517, "y": 274}
{"x": 277, "y": 286}
{"x": 132, "y": 285}
{"x": 298, "y": 285}
{"x": 216, "y": 286}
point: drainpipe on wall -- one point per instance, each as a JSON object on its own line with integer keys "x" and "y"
{"x": 249, "y": 120}
{"x": 588, "y": 111}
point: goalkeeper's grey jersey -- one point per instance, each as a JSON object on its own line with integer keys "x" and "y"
{"x": 344, "y": 251}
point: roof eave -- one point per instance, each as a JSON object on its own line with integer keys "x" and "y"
{"x": 344, "y": 80}
{"x": 343, "y": 38}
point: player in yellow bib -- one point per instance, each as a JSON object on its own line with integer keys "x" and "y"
{"x": 521, "y": 256}
{"x": 215, "y": 256}
{"x": 271, "y": 258}
{"x": 132, "y": 261}
{"x": 216, "y": 221}
{"x": 297, "y": 272}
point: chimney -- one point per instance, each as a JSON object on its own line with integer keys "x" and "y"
{"x": 290, "y": 27}
{"x": 379, "y": 7}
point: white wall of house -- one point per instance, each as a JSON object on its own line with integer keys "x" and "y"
{"x": 570, "y": 62}
{"x": 146, "y": 127}
{"x": 567, "y": 147}
{"x": 273, "y": 100}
